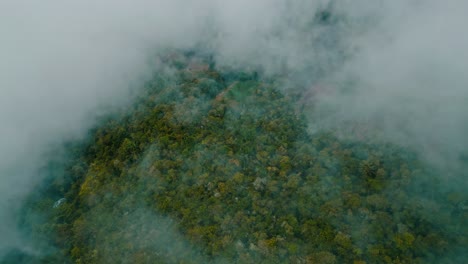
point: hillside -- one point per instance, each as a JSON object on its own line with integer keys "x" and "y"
{"x": 215, "y": 165}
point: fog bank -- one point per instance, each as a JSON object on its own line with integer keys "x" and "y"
{"x": 396, "y": 67}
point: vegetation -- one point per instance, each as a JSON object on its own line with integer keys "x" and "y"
{"x": 213, "y": 166}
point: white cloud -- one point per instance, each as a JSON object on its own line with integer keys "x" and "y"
{"x": 62, "y": 61}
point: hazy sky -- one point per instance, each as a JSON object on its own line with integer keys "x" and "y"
{"x": 63, "y": 61}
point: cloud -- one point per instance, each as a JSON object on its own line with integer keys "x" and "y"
{"x": 65, "y": 62}
{"x": 409, "y": 78}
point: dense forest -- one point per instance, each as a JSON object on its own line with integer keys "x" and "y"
{"x": 212, "y": 165}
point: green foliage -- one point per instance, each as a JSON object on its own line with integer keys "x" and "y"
{"x": 225, "y": 161}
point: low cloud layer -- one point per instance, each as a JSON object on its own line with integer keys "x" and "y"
{"x": 399, "y": 67}
{"x": 410, "y": 81}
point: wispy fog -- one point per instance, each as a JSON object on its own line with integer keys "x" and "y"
{"x": 396, "y": 66}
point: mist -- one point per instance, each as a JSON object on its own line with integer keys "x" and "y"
{"x": 409, "y": 79}
{"x": 398, "y": 68}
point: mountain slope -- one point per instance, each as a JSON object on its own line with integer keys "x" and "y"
{"x": 217, "y": 166}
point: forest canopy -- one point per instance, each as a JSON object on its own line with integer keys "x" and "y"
{"x": 216, "y": 165}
